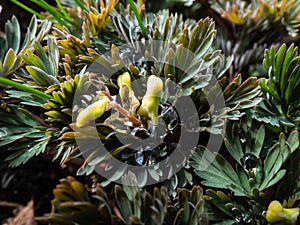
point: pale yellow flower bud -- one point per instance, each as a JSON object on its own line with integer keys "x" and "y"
{"x": 276, "y": 213}
{"x": 125, "y": 80}
{"x": 151, "y": 99}
{"x": 91, "y": 112}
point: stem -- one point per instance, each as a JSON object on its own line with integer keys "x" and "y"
{"x": 63, "y": 11}
{"x": 124, "y": 112}
{"x": 121, "y": 110}
{"x": 28, "y": 9}
{"x": 138, "y": 17}
{"x": 81, "y": 5}
{"x": 10, "y": 204}
{"x": 25, "y": 88}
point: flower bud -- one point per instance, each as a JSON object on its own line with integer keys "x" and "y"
{"x": 151, "y": 99}
{"x": 91, "y": 112}
{"x": 276, "y": 213}
{"x": 125, "y": 92}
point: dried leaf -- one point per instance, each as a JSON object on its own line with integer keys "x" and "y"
{"x": 24, "y": 217}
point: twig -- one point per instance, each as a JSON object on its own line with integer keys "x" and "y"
{"x": 120, "y": 109}
{"x": 10, "y": 204}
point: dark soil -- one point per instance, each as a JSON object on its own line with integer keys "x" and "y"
{"x": 34, "y": 180}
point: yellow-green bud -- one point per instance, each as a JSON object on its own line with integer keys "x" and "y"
{"x": 91, "y": 112}
{"x": 276, "y": 213}
{"x": 151, "y": 99}
{"x": 292, "y": 213}
{"x": 125, "y": 80}
{"x": 274, "y": 209}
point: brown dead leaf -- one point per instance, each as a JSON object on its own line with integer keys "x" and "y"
{"x": 25, "y": 216}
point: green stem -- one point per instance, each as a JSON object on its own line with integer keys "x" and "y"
{"x": 81, "y": 5}
{"x": 64, "y": 12}
{"x": 138, "y": 17}
{"x": 23, "y": 87}
{"x": 28, "y": 9}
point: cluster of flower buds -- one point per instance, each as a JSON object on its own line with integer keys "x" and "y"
{"x": 147, "y": 109}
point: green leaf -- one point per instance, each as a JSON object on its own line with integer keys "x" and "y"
{"x": 285, "y": 76}
{"x": 142, "y": 177}
{"x": 153, "y": 173}
{"x": 13, "y": 34}
{"x": 206, "y": 44}
{"x": 217, "y": 173}
{"x": 232, "y": 142}
{"x": 183, "y": 200}
{"x": 179, "y": 214}
{"x": 293, "y": 140}
{"x": 64, "y": 12}
{"x": 24, "y": 153}
{"x": 31, "y": 32}
{"x": 8, "y": 62}
{"x": 33, "y": 60}
{"x": 148, "y": 204}
{"x": 244, "y": 179}
{"x": 191, "y": 71}
{"x": 227, "y": 168}
{"x": 259, "y": 141}
{"x": 202, "y": 37}
{"x": 27, "y": 98}
{"x": 41, "y": 76}
{"x": 279, "y": 61}
{"x": 12, "y": 138}
{"x": 53, "y": 55}
{"x": 81, "y": 5}
{"x": 273, "y": 162}
{"x": 119, "y": 172}
{"x": 138, "y": 17}
{"x": 271, "y": 159}
{"x": 290, "y": 54}
{"x": 41, "y": 53}
{"x": 278, "y": 176}
{"x": 123, "y": 203}
{"x": 268, "y": 86}
{"x": 54, "y": 12}
{"x": 24, "y": 88}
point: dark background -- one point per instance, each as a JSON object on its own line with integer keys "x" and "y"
{"x": 9, "y": 9}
